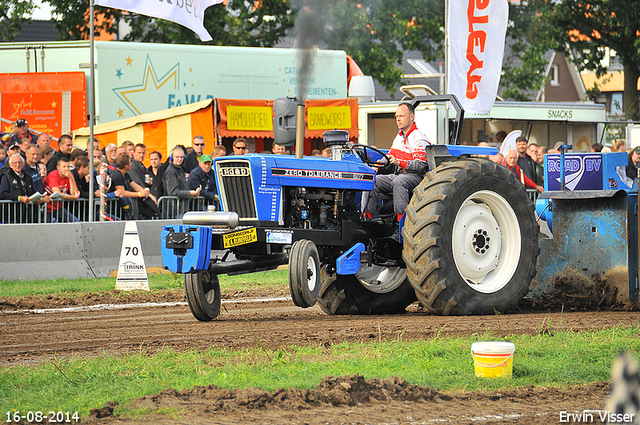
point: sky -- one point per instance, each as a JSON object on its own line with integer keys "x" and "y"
{"x": 44, "y": 11}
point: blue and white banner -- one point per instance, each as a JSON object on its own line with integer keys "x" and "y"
{"x": 189, "y": 13}
{"x": 581, "y": 172}
{"x": 476, "y": 30}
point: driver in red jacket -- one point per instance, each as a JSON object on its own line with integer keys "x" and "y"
{"x": 408, "y": 155}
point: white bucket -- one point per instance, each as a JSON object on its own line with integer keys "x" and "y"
{"x": 493, "y": 359}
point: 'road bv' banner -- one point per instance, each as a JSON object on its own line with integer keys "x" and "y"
{"x": 477, "y": 30}
{"x": 189, "y": 13}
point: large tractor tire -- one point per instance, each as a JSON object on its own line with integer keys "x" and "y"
{"x": 470, "y": 239}
{"x": 203, "y": 295}
{"x": 378, "y": 290}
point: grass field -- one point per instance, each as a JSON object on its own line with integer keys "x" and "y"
{"x": 561, "y": 359}
{"x": 78, "y": 384}
{"x": 161, "y": 282}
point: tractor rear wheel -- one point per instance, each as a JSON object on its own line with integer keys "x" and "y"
{"x": 470, "y": 239}
{"x": 203, "y": 295}
{"x": 376, "y": 290}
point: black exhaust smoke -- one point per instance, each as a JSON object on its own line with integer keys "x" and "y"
{"x": 310, "y": 31}
{"x": 288, "y": 125}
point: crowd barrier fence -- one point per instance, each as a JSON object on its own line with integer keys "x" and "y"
{"x": 70, "y": 211}
{"x": 36, "y": 250}
{"x": 533, "y": 195}
{"x": 73, "y": 250}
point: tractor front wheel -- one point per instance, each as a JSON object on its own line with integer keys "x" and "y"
{"x": 304, "y": 273}
{"x": 203, "y": 295}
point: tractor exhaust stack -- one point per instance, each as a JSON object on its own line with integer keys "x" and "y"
{"x": 300, "y": 131}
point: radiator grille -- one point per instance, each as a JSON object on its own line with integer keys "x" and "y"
{"x": 237, "y": 188}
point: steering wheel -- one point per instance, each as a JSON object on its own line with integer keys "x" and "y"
{"x": 365, "y": 158}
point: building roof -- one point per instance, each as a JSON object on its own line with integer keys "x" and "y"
{"x": 38, "y": 31}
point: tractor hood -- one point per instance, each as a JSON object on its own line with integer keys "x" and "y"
{"x": 311, "y": 171}
{"x": 253, "y": 185}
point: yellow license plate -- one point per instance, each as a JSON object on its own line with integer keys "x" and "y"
{"x": 241, "y": 237}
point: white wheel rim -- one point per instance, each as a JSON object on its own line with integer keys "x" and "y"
{"x": 486, "y": 241}
{"x": 312, "y": 275}
{"x": 210, "y": 295}
{"x": 380, "y": 279}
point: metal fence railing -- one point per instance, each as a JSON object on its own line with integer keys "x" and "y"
{"x": 173, "y": 207}
{"x": 168, "y": 207}
{"x": 64, "y": 211}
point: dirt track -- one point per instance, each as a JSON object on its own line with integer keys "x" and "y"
{"x": 31, "y": 337}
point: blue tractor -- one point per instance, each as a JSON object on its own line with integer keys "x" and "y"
{"x": 468, "y": 240}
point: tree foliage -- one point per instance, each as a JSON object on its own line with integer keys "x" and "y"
{"x": 376, "y": 32}
{"x": 240, "y": 23}
{"x": 73, "y": 19}
{"x": 590, "y": 27}
{"x": 528, "y": 39}
{"x": 583, "y": 30}
{"x": 13, "y": 15}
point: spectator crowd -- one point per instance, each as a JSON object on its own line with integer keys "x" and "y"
{"x": 525, "y": 162}
{"x": 42, "y": 184}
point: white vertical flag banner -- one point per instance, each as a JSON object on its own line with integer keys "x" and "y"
{"x": 509, "y": 142}
{"x": 189, "y": 13}
{"x": 476, "y": 30}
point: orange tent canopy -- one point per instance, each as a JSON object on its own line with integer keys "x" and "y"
{"x": 159, "y": 131}
{"x": 162, "y": 130}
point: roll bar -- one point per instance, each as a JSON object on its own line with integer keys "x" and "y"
{"x": 455, "y": 129}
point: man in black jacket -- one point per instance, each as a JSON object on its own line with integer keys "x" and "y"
{"x": 147, "y": 208}
{"x": 525, "y": 162}
{"x": 65, "y": 146}
{"x": 31, "y": 167}
{"x": 16, "y": 185}
{"x": 81, "y": 173}
{"x": 175, "y": 184}
{"x": 156, "y": 171}
{"x": 138, "y": 170}
{"x": 202, "y": 177}
{"x": 192, "y": 158}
